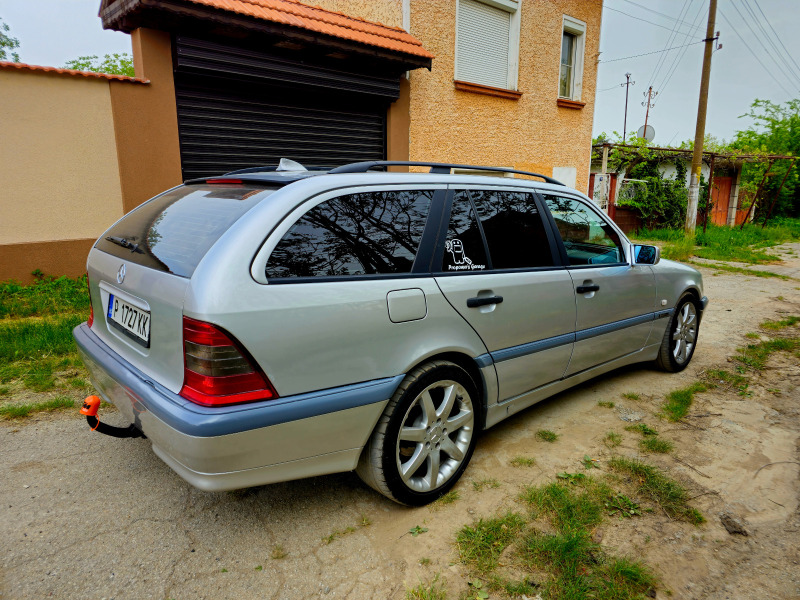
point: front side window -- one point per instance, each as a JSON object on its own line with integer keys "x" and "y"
{"x": 487, "y": 43}
{"x": 588, "y": 239}
{"x": 509, "y": 222}
{"x": 358, "y": 234}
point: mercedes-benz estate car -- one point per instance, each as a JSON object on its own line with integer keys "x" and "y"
{"x": 264, "y": 326}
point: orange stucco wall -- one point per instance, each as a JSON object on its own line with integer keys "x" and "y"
{"x": 531, "y": 133}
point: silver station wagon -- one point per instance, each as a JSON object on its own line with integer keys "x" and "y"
{"x": 269, "y": 325}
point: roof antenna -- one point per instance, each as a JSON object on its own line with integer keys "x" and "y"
{"x": 289, "y": 165}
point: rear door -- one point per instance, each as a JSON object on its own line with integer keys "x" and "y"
{"x": 496, "y": 265}
{"x": 615, "y": 300}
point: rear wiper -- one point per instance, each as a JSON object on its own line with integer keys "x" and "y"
{"x": 121, "y": 241}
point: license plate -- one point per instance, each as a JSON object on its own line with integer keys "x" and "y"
{"x": 132, "y": 321}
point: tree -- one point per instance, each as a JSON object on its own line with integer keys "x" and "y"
{"x": 776, "y": 130}
{"x": 113, "y": 64}
{"x": 8, "y": 44}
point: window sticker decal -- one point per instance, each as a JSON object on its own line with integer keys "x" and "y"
{"x": 460, "y": 259}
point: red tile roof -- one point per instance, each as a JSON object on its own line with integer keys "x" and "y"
{"x": 25, "y": 67}
{"x": 314, "y": 18}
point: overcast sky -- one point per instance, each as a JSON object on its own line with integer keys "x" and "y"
{"x": 752, "y": 66}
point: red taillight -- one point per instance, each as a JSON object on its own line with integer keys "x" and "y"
{"x": 217, "y": 370}
{"x": 90, "y": 322}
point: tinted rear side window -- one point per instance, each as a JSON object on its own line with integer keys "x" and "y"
{"x": 173, "y": 232}
{"x": 357, "y": 234}
{"x": 509, "y": 221}
{"x": 588, "y": 239}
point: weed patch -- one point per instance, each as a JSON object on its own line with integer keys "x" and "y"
{"x": 20, "y": 411}
{"x": 605, "y": 404}
{"x": 612, "y": 439}
{"x": 433, "y": 590}
{"x": 547, "y": 435}
{"x": 652, "y": 483}
{"x": 678, "y": 402}
{"x": 482, "y": 484}
{"x": 642, "y": 428}
{"x": 448, "y": 498}
{"x": 577, "y": 567}
{"x": 730, "y": 380}
{"x": 631, "y": 396}
{"x": 46, "y": 296}
{"x": 782, "y": 324}
{"x": 480, "y": 545}
{"x": 755, "y": 356}
{"x": 656, "y": 444}
{"x": 739, "y": 270}
{"x": 522, "y": 461}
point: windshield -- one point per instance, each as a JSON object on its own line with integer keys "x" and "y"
{"x": 174, "y": 231}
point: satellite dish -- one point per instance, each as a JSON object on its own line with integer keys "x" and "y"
{"x": 648, "y": 134}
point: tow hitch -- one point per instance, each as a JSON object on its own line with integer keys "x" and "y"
{"x": 90, "y": 406}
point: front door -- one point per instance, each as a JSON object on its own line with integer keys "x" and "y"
{"x": 615, "y": 300}
{"x": 496, "y": 267}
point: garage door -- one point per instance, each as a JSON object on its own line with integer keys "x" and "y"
{"x": 240, "y": 108}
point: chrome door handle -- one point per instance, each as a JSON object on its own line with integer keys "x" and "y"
{"x": 483, "y": 301}
{"x": 585, "y": 289}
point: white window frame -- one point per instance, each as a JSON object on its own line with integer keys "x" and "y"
{"x": 514, "y": 7}
{"x": 576, "y": 28}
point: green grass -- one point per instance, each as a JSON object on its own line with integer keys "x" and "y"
{"x": 739, "y": 270}
{"x": 433, "y": 590}
{"x": 656, "y": 444}
{"x": 480, "y": 545}
{"x": 755, "y": 356}
{"x": 448, "y": 498}
{"x": 733, "y": 380}
{"x": 612, "y": 439}
{"x": 726, "y": 243}
{"x": 34, "y": 338}
{"x": 47, "y": 296}
{"x": 21, "y": 411}
{"x": 522, "y": 461}
{"x": 576, "y": 567}
{"x": 605, "y": 404}
{"x": 481, "y": 484}
{"x": 641, "y": 428}
{"x": 678, "y": 402}
{"x": 631, "y": 396}
{"x": 547, "y": 435}
{"x": 651, "y": 483}
{"x": 782, "y": 324}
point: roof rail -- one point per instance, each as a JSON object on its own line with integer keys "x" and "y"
{"x": 439, "y": 168}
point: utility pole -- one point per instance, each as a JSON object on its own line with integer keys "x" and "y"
{"x": 628, "y": 83}
{"x": 650, "y": 95}
{"x": 702, "y": 105}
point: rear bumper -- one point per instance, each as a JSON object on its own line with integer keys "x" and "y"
{"x": 239, "y": 446}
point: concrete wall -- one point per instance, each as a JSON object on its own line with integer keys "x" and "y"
{"x": 58, "y": 158}
{"x": 58, "y": 167}
{"x": 532, "y": 133}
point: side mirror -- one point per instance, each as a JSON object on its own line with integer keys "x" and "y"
{"x": 646, "y": 255}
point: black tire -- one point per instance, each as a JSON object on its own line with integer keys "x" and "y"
{"x": 680, "y": 338}
{"x": 436, "y": 457}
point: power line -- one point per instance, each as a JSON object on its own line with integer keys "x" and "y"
{"x": 770, "y": 40}
{"x": 746, "y": 45}
{"x": 777, "y": 37}
{"x": 746, "y": 22}
{"x": 637, "y": 18}
{"x": 679, "y": 56}
{"x": 649, "y": 53}
{"x": 670, "y": 40}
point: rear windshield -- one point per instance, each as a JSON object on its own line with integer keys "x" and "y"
{"x": 174, "y": 231}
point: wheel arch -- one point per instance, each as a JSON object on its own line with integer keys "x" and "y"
{"x": 467, "y": 363}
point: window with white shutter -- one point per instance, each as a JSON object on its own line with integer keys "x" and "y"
{"x": 487, "y": 42}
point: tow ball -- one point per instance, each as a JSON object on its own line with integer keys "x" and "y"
{"x": 90, "y": 407}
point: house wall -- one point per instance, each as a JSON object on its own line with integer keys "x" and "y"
{"x": 58, "y": 165}
{"x": 532, "y": 133}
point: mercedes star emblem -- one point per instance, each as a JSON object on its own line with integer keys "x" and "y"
{"x": 121, "y": 274}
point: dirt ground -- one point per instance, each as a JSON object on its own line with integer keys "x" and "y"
{"x": 88, "y": 516}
